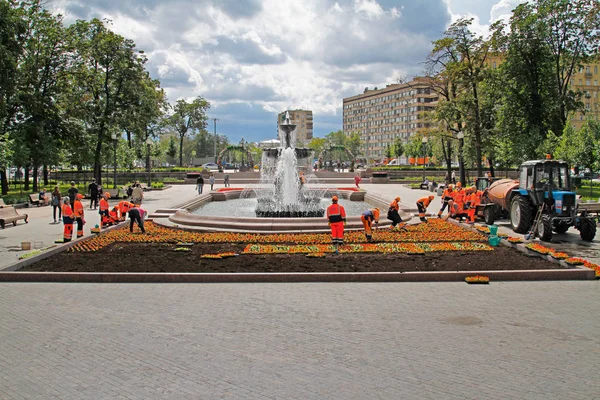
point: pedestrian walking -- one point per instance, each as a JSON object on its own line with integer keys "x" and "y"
{"x": 453, "y": 178}
{"x": 72, "y": 192}
{"x": 137, "y": 194}
{"x": 93, "y": 192}
{"x": 56, "y": 204}
{"x": 226, "y": 179}
{"x": 336, "y": 215}
{"x": 357, "y": 180}
{"x": 200, "y": 184}
{"x": 211, "y": 180}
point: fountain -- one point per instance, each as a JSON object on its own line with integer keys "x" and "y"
{"x": 282, "y": 192}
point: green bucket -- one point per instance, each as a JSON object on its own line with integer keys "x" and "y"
{"x": 494, "y": 240}
{"x": 493, "y": 229}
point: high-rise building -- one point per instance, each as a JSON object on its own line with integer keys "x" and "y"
{"x": 303, "y": 119}
{"x": 382, "y": 115}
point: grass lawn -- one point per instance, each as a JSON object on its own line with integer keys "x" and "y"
{"x": 585, "y": 192}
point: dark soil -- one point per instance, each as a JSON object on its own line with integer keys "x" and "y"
{"x": 150, "y": 257}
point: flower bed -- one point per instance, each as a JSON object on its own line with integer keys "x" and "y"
{"x": 477, "y": 279}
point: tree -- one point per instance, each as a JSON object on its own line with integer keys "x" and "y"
{"x": 463, "y": 57}
{"x": 317, "y": 145}
{"x": 188, "y": 118}
{"x": 106, "y": 75}
{"x": 172, "y": 149}
{"x": 398, "y": 148}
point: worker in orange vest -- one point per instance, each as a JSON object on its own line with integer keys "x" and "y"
{"x": 446, "y": 197}
{"x": 459, "y": 195}
{"x": 113, "y": 216}
{"x": 124, "y": 207}
{"x": 104, "y": 218}
{"x": 68, "y": 219}
{"x": 336, "y": 215}
{"x": 367, "y": 219}
{"x": 422, "y": 205}
{"x": 456, "y": 211}
{"x": 79, "y": 216}
{"x": 394, "y": 214}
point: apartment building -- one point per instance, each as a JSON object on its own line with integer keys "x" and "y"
{"x": 303, "y": 119}
{"x": 585, "y": 80}
{"x": 382, "y": 115}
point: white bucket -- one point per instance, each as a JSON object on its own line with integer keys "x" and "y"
{"x": 38, "y": 245}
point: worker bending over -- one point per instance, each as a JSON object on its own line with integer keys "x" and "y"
{"x": 367, "y": 219}
{"x": 394, "y": 214}
{"x": 336, "y": 215}
{"x": 446, "y": 197}
{"x": 422, "y": 205}
{"x": 104, "y": 217}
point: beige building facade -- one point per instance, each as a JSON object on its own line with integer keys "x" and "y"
{"x": 382, "y": 115}
{"x": 303, "y": 119}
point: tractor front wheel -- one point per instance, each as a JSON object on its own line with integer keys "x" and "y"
{"x": 587, "y": 229}
{"x": 489, "y": 215}
{"x": 544, "y": 228}
{"x": 521, "y": 214}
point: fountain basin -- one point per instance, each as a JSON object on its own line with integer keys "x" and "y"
{"x": 185, "y": 219}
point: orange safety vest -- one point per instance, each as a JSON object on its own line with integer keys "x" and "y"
{"x": 78, "y": 209}
{"x": 336, "y": 213}
{"x": 67, "y": 211}
{"x": 125, "y": 206}
{"x": 395, "y": 206}
{"x": 459, "y": 197}
{"x": 425, "y": 201}
{"x": 103, "y": 204}
{"x": 448, "y": 193}
{"x": 375, "y": 213}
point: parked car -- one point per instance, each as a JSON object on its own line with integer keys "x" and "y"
{"x": 211, "y": 166}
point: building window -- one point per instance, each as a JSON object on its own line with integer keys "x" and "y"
{"x": 587, "y": 82}
{"x": 595, "y": 69}
{"x": 494, "y": 65}
{"x": 580, "y": 82}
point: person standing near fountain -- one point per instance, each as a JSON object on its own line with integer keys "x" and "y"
{"x": 211, "y": 180}
{"x": 357, "y": 180}
{"x": 226, "y": 179}
{"x": 336, "y": 214}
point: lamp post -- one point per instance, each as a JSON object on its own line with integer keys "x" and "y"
{"x": 215, "y": 132}
{"x": 461, "y": 168}
{"x": 148, "y": 143}
{"x": 114, "y": 138}
{"x": 424, "y": 140}
{"x": 242, "y": 166}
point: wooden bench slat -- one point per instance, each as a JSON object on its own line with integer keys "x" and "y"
{"x": 10, "y": 214}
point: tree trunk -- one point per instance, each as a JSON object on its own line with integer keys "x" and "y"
{"x": 98, "y": 159}
{"x": 181, "y": 150}
{"x": 45, "y": 173}
{"x": 4, "y": 178}
{"x": 36, "y": 169}
{"x": 491, "y": 162}
{"x": 26, "y": 178}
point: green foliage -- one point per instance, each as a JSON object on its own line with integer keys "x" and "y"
{"x": 188, "y": 118}
{"x": 398, "y": 148}
{"x": 172, "y": 150}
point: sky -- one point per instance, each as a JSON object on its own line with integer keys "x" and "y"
{"x": 252, "y": 59}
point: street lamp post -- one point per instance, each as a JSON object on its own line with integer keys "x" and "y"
{"x": 215, "y": 132}
{"x": 424, "y": 140}
{"x": 114, "y": 138}
{"x": 148, "y": 143}
{"x": 242, "y": 166}
{"x": 461, "y": 168}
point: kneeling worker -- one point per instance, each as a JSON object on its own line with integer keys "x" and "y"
{"x": 336, "y": 214}
{"x": 422, "y": 205}
{"x": 367, "y": 219}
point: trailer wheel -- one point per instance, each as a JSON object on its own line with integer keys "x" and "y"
{"x": 521, "y": 214}
{"x": 489, "y": 215}
{"x": 587, "y": 229}
{"x": 544, "y": 228}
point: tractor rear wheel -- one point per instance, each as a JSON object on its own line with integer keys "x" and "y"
{"x": 544, "y": 228}
{"x": 587, "y": 229}
{"x": 521, "y": 214}
{"x": 561, "y": 228}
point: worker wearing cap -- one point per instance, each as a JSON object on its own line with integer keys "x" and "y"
{"x": 367, "y": 219}
{"x": 446, "y": 197}
{"x": 459, "y": 195}
{"x": 113, "y": 216}
{"x": 79, "y": 217}
{"x": 104, "y": 218}
{"x": 68, "y": 219}
{"x": 336, "y": 215}
{"x": 471, "y": 203}
{"x": 422, "y": 205}
{"x": 394, "y": 214}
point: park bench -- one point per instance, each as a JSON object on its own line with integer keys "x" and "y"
{"x": 9, "y": 214}
{"x": 3, "y": 204}
{"x": 35, "y": 199}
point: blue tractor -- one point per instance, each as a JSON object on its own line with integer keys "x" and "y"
{"x": 543, "y": 202}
